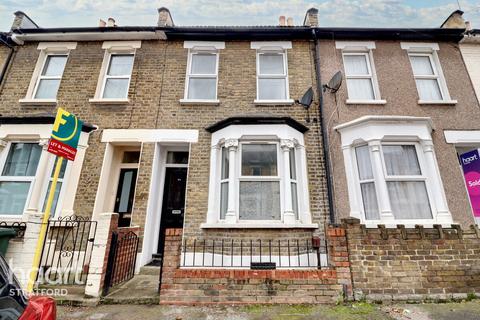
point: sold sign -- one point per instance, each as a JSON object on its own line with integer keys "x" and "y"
{"x": 65, "y": 135}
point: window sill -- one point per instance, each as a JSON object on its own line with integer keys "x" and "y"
{"x": 38, "y": 102}
{"x": 444, "y": 102}
{"x": 199, "y": 102}
{"x": 349, "y": 101}
{"x": 109, "y": 101}
{"x": 262, "y": 225}
{"x": 287, "y": 102}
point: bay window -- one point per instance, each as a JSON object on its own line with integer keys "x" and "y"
{"x": 406, "y": 183}
{"x": 392, "y": 172}
{"x": 427, "y": 73}
{"x": 259, "y": 182}
{"x": 260, "y": 178}
{"x": 18, "y": 173}
{"x": 59, "y": 190}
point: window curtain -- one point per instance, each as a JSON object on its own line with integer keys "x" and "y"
{"x": 369, "y": 195}
{"x": 358, "y": 87}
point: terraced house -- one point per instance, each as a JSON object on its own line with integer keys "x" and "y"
{"x": 219, "y": 161}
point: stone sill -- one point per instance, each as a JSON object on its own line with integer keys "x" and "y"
{"x": 38, "y": 102}
{"x": 444, "y": 102}
{"x": 109, "y": 101}
{"x": 258, "y": 226}
{"x": 188, "y": 102}
{"x": 287, "y": 102}
{"x": 349, "y": 101}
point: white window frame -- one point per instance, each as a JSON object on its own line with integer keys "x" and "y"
{"x": 114, "y": 48}
{"x": 46, "y": 49}
{"x": 31, "y": 179}
{"x": 377, "y": 131}
{"x": 429, "y": 50}
{"x": 242, "y": 178}
{"x": 276, "y": 47}
{"x": 361, "y": 48}
{"x": 123, "y": 76}
{"x": 40, "y": 133}
{"x": 283, "y": 136}
{"x": 64, "y": 187}
{"x": 381, "y": 180}
{"x": 199, "y": 47}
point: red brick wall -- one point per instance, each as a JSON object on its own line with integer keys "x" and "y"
{"x": 413, "y": 264}
{"x": 243, "y": 286}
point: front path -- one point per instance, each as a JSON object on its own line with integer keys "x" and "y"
{"x": 357, "y": 311}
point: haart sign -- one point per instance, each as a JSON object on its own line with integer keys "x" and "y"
{"x": 471, "y": 170}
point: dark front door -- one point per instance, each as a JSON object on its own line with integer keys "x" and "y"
{"x": 125, "y": 196}
{"x": 173, "y": 205}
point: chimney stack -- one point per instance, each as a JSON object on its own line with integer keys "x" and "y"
{"x": 22, "y": 21}
{"x": 311, "y": 18}
{"x": 454, "y": 21}
{"x": 164, "y": 18}
{"x": 281, "y": 21}
{"x": 290, "y": 22}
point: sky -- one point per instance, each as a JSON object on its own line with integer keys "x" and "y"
{"x": 332, "y": 13}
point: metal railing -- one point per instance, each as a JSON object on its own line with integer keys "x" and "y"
{"x": 67, "y": 250}
{"x": 253, "y": 254}
{"x": 19, "y": 227}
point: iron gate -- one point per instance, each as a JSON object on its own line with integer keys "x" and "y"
{"x": 67, "y": 251}
{"x": 121, "y": 259}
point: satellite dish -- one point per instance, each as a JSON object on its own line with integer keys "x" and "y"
{"x": 307, "y": 98}
{"x": 335, "y": 83}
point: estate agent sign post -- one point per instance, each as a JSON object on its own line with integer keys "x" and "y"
{"x": 63, "y": 143}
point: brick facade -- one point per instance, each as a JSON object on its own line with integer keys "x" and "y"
{"x": 413, "y": 264}
{"x": 244, "y": 286}
{"x": 156, "y": 87}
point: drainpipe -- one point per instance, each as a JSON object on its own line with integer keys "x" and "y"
{"x": 324, "y": 139}
{"x": 7, "y": 62}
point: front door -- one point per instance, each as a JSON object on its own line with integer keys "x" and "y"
{"x": 173, "y": 205}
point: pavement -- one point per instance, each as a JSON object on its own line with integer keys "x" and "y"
{"x": 357, "y": 311}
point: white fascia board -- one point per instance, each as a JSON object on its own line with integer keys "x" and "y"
{"x": 90, "y": 36}
{"x": 462, "y": 136}
{"x": 235, "y": 131}
{"x": 370, "y": 128}
{"x": 216, "y": 45}
{"x": 355, "y": 45}
{"x": 149, "y": 135}
{"x": 419, "y": 46}
{"x": 265, "y": 45}
{"x": 57, "y": 46}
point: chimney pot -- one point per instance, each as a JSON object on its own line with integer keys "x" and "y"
{"x": 111, "y": 22}
{"x": 102, "y": 23}
{"x": 290, "y": 22}
{"x": 281, "y": 21}
{"x": 164, "y": 18}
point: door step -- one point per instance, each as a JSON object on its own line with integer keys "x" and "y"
{"x": 150, "y": 270}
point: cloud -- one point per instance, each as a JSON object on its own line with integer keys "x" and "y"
{"x": 333, "y": 13}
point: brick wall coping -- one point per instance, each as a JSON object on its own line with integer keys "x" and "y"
{"x": 255, "y": 274}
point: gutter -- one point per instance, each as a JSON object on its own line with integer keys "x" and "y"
{"x": 7, "y": 62}
{"x": 324, "y": 140}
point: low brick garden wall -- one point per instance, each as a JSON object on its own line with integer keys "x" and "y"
{"x": 245, "y": 286}
{"x": 413, "y": 263}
